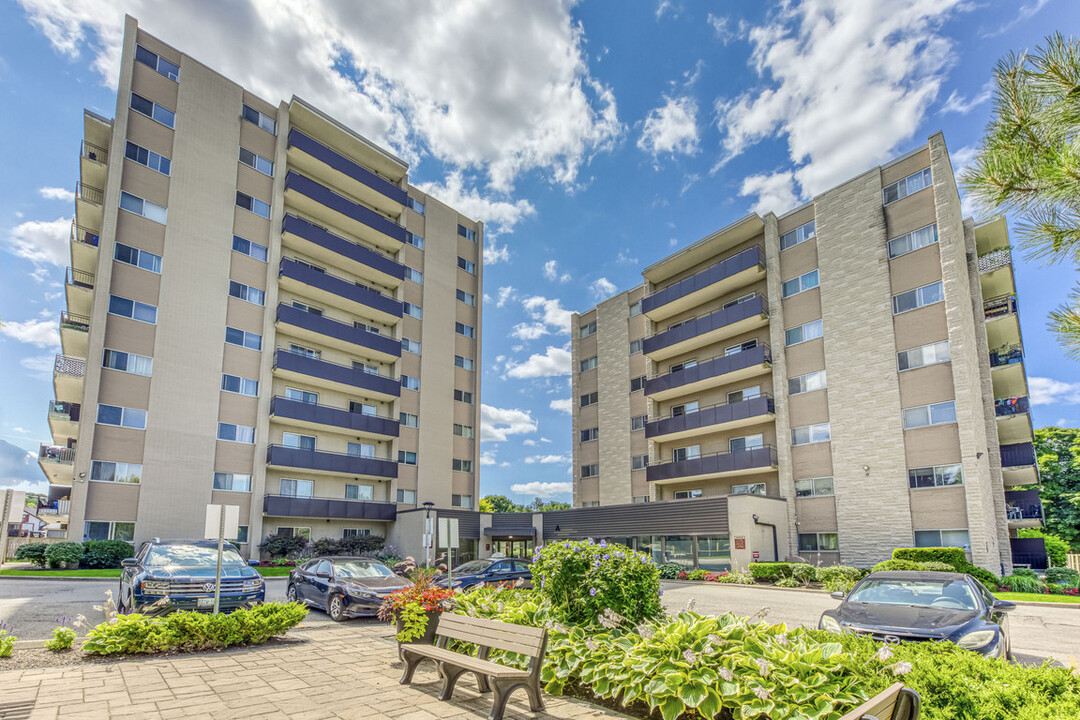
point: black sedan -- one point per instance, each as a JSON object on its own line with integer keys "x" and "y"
{"x": 895, "y": 607}
{"x": 344, "y": 587}
{"x": 488, "y": 573}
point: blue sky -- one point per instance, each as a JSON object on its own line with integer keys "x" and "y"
{"x": 592, "y": 139}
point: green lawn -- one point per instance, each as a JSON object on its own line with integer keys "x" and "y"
{"x": 274, "y": 571}
{"x": 1037, "y": 597}
{"x": 264, "y": 571}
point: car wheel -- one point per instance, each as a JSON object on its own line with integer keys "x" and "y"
{"x": 336, "y": 608}
{"x": 122, "y": 606}
{"x": 290, "y": 593}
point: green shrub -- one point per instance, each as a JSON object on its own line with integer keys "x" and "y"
{"x": 362, "y": 544}
{"x": 804, "y": 572}
{"x": 895, "y": 565}
{"x": 670, "y": 571}
{"x": 1021, "y": 583}
{"x": 788, "y": 582}
{"x": 988, "y": 579}
{"x": 932, "y": 566}
{"x": 104, "y": 554}
{"x": 839, "y": 572}
{"x": 736, "y": 578}
{"x": 283, "y": 545}
{"x": 64, "y": 554}
{"x": 325, "y": 546}
{"x": 1057, "y": 550}
{"x": 192, "y": 631}
{"x": 950, "y": 555}
{"x": 697, "y": 574}
{"x": 62, "y": 639}
{"x": 32, "y": 552}
{"x": 583, "y": 578}
{"x": 7, "y": 641}
{"x": 840, "y": 584}
{"x": 1064, "y": 575}
{"x": 771, "y": 571}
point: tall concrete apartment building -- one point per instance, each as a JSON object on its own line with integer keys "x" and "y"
{"x": 857, "y": 360}
{"x": 261, "y": 311}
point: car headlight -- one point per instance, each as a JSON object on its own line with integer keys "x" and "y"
{"x": 829, "y": 623}
{"x": 977, "y": 639}
{"x": 252, "y": 585}
{"x": 155, "y": 587}
{"x": 360, "y": 591}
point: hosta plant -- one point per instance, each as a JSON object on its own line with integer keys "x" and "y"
{"x": 62, "y": 639}
{"x": 413, "y": 605}
{"x": 7, "y": 640}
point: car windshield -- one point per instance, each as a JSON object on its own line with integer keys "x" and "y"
{"x": 945, "y": 594}
{"x": 190, "y": 556}
{"x": 474, "y": 567}
{"x": 353, "y": 569}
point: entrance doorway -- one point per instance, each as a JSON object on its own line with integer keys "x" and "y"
{"x": 513, "y": 548}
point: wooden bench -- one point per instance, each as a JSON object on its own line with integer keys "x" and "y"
{"x": 895, "y": 703}
{"x": 488, "y": 635}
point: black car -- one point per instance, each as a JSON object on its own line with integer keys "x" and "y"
{"x": 489, "y": 572}
{"x": 344, "y": 587}
{"x": 894, "y": 607}
{"x": 168, "y": 575}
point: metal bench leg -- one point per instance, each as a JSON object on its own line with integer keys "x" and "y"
{"x": 482, "y": 682}
{"x": 449, "y": 675}
{"x": 411, "y": 661}
{"x": 536, "y": 698}
{"x": 502, "y": 694}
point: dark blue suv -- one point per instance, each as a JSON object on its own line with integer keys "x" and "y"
{"x": 167, "y": 575}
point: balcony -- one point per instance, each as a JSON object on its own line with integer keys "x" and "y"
{"x": 1013, "y": 420}
{"x": 995, "y": 260}
{"x": 313, "y": 416}
{"x": 315, "y": 158}
{"x": 1007, "y": 369}
{"x": 1023, "y": 509}
{"x": 57, "y": 508}
{"x": 329, "y": 462}
{"x": 713, "y": 465}
{"x": 56, "y": 462}
{"x": 1018, "y": 464}
{"x": 84, "y": 248}
{"x": 335, "y": 251}
{"x": 93, "y": 163}
{"x": 79, "y": 287}
{"x": 337, "y": 508}
{"x": 68, "y": 373}
{"x": 996, "y": 273}
{"x": 1029, "y": 553}
{"x": 1005, "y": 407}
{"x": 328, "y": 289}
{"x": 724, "y": 277}
{"x": 64, "y": 420}
{"x": 323, "y": 204}
{"x": 322, "y": 330}
{"x": 74, "y": 333}
{"x": 707, "y": 329}
{"x": 715, "y": 371}
{"x": 88, "y": 201}
{"x": 712, "y": 418}
{"x": 1000, "y": 306}
{"x": 334, "y": 376}
{"x": 1002, "y": 321}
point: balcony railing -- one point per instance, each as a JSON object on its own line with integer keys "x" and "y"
{"x": 710, "y": 415}
{"x": 729, "y": 266}
{"x": 336, "y": 329}
{"x": 344, "y": 165}
{"x": 84, "y": 235}
{"x": 90, "y": 151}
{"x": 56, "y": 454}
{"x": 70, "y": 366}
{"x": 64, "y": 411}
{"x": 347, "y": 289}
{"x": 1023, "y": 505}
{"x": 999, "y": 306}
{"x": 71, "y": 321}
{"x": 701, "y": 324}
{"x": 714, "y": 464}
{"x": 709, "y": 368}
{"x": 57, "y": 507}
{"x": 995, "y": 260}
{"x": 1007, "y": 355}
{"x": 80, "y": 278}
{"x": 283, "y": 407}
{"x": 317, "y": 507}
{"x": 294, "y": 457}
{"x": 336, "y": 372}
{"x": 1017, "y": 455}
{"x": 347, "y": 248}
{"x": 339, "y": 203}
{"x": 89, "y": 193}
{"x": 1003, "y": 407}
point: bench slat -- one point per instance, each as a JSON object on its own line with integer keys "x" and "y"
{"x": 880, "y": 706}
{"x": 468, "y": 662}
{"x": 481, "y": 623}
{"x": 492, "y": 634}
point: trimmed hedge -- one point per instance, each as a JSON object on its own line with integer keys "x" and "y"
{"x": 64, "y": 553}
{"x": 1065, "y": 575}
{"x": 32, "y": 552}
{"x": 949, "y": 555}
{"x": 105, "y": 554}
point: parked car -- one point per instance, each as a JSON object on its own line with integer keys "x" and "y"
{"x": 895, "y": 607}
{"x": 489, "y": 572}
{"x": 344, "y": 587}
{"x": 167, "y": 575}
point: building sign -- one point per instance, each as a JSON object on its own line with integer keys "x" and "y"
{"x": 740, "y": 543}
{"x": 757, "y": 556}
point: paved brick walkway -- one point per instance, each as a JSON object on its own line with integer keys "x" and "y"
{"x": 339, "y": 671}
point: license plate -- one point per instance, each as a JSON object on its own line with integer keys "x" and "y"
{"x": 204, "y": 602}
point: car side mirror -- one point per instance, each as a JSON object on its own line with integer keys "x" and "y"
{"x": 129, "y": 562}
{"x": 253, "y": 563}
{"x": 1004, "y": 605}
{"x": 322, "y": 574}
{"x": 838, "y": 594}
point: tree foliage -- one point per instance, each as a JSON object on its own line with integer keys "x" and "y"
{"x": 502, "y": 504}
{"x": 1058, "y": 453}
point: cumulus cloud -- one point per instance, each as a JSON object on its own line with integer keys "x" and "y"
{"x": 551, "y": 272}
{"x": 775, "y": 193}
{"x": 543, "y": 489}
{"x": 671, "y": 128}
{"x": 1047, "y": 391}
{"x": 565, "y": 405}
{"x": 498, "y": 424}
{"x": 553, "y": 362}
{"x": 495, "y": 253}
{"x": 602, "y": 288}
{"x": 548, "y": 311}
{"x": 40, "y": 366}
{"x": 506, "y": 293}
{"x": 41, "y": 333}
{"x": 722, "y": 27}
{"x": 529, "y": 331}
{"x": 488, "y": 458}
{"x": 57, "y": 193}
{"x": 41, "y": 242}
{"x": 548, "y": 459}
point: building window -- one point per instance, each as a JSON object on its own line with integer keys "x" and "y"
{"x": 635, "y": 308}
{"x": 235, "y": 433}
{"x": 810, "y": 434}
{"x": 587, "y": 329}
{"x": 366, "y": 328}
{"x": 943, "y": 538}
{"x": 637, "y": 383}
{"x": 749, "y": 442}
{"x": 415, "y": 240}
{"x": 132, "y": 309}
{"x": 464, "y": 363}
{"x": 255, "y": 117}
{"x": 410, "y": 346}
{"x": 461, "y": 501}
{"x": 143, "y": 208}
{"x": 686, "y": 494}
{"x": 814, "y": 487}
{"x": 936, "y": 476}
{"x": 799, "y": 235}
{"x": 414, "y": 275}
{"x": 251, "y": 249}
{"x": 121, "y": 417}
{"x": 257, "y": 162}
{"x": 304, "y": 532}
{"x": 239, "y": 385}
{"x": 243, "y": 338}
{"x": 467, "y": 298}
{"x": 355, "y": 532}
{"x": 296, "y": 440}
{"x": 465, "y": 431}
{"x": 139, "y": 258}
{"x": 590, "y": 434}
{"x": 245, "y": 201}
{"x": 818, "y": 542}
{"x": 588, "y": 364}
{"x": 241, "y": 535}
{"x": 804, "y": 282}
{"x": 410, "y": 383}
{"x": 149, "y": 158}
{"x": 409, "y": 420}
{"x": 926, "y": 415}
{"x": 589, "y": 399}
{"x": 360, "y": 408}
{"x": 806, "y": 383}
{"x": 744, "y": 394}
{"x": 638, "y": 422}
{"x": 309, "y": 309}
{"x": 902, "y": 188}
{"x": 463, "y": 329}
{"x": 120, "y": 472}
{"x": 99, "y": 530}
{"x": 749, "y": 489}
{"x": 690, "y": 452}
{"x": 152, "y": 110}
{"x": 742, "y": 347}
{"x": 922, "y": 356}
{"x": 406, "y": 496}
{"x": 682, "y": 365}
{"x": 635, "y": 347}
{"x": 640, "y": 499}
{"x": 246, "y": 293}
{"x": 304, "y": 396}
{"x": 128, "y": 362}
{"x": 917, "y": 298}
{"x": 802, "y": 333}
{"x": 360, "y": 450}
{"x": 233, "y": 482}
{"x": 590, "y": 503}
{"x": 416, "y": 206}
{"x": 639, "y": 462}
{"x": 411, "y": 310}
{"x": 684, "y": 409}
{"x": 588, "y": 471}
{"x": 406, "y": 458}
{"x": 296, "y": 488}
{"x": 306, "y": 352}
{"x": 912, "y": 241}
{"x": 157, "y": 63}
{"x": 460, "y": 465}
{"x": 466, "y": 233}
{"x": 466, "y": 265}
{"x": 463, "y": 396}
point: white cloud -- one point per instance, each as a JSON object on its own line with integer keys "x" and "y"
{"x": 529, "y": 331}
{"x": 775, "y": 193}
{"x": 548, "y": 459}
{"x": 722, "y": 27}
{"x": 495, "y": 253}
{"x": 624, "y": 258}
{"x": 1026, "y": 11}
{"x": 497, "y": 424}
{"x": 41, "y": 333}
{"x": 1062, "y": 422}
{"x": 41, "y": 366}
{"x": 551, "y": 272}
{"x": 602, "y": 288}
{"x": 667, "y": 7}
{"x": 543, "y": 489}
{"x": 529, "y": 443}
{"x": 1047, "y": 391}
{"x": 958, "y": 104}
{"x": 488, "y": 458}
{"x": 554, "y": 362}
{"x": 671, "y": 128}
{"x": 565, "y": 405}
{"x": 57, "y": 193}
{"x": 484, "y": 84}
{"x": 844, "y": 82}
{"x": 42, "y": 242}
{"x": 548, "y": 311}
{"x": 501, "y": 215}
{"x": 505, "y": 293}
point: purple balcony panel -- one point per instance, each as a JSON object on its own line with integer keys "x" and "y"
{"x": 336, "y": 243}
{"x": 714, "y": 415}
{"x": 332, "y": 328}
{"x": 329, "y": 198}
{"x": 333, "y": 284}
{"x": 751, "y": 257}
{"x": 333, "y": 372}
{"x": 282, "y": 407}
{"x": 312, "y": 507}
{"x": 709, "y": 369}
{"x": 1023, "y": 505}
{"x": 339, "y": 162}
{"x": 706, "y": 323}
{"x": 329, "y": 461}
{"x": 1017, "y": 455}
{"x": 762, "y": 457}
{"x": 1030, "y": 552}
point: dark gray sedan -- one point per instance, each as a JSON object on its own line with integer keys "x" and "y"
{"x": 344, "y": 587}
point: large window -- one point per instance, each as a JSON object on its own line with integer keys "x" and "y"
{"x": 589, "y": 399}
{"x": 943, "y": 538}
{"x": 463, "y": 329}
{"x": 297, "y": 488}
{"x": 249, "y": 248}
{"x": 814, "y": 487}
{"x": 462, "y": 501}
{"x": 233, "y": 482}
{"x": 406, "y": 458}
{"x": 926, "y": 415}
{"x": 152, "y": 110}
{"x": 128, "y": 362}
{"x": 637, "y": 422}
{"x": 803, "y": 333}
{"x": 463, "y": 396}
{"x": 902, "y": 188}
{"x": 406, "y": 496}
{"x": 100, "y": 530}
{"x": 749, "y": 489}
{"x": 236, "y": 433}
{"x": 144, "y": 208}
{"x": 466, "y": 233}
{"x": 410, "y": 383}
{"x": 243, "y": 338}
{"x": 359, "y": 492}
{"x": 590, "y": 434}
{"x": 132, "y": 309}
{"x": 413, "y": 311}
{"x": 296, "y": 440}
{"x": 121, "y": 416}
{"x": 255, "y": 117}
{"x": 409, "y": 420}
{"x": 414, "y": 275}
{"x": 588, "y": 471}
{"x": 818, "y": 542}
{"x": 467, "y": 298}
{"x": 588, "y": 364}
{"x": 459, "y": 465}
{"x": 921, "y": 356}
{"x": 257, "y": 162}
{"x": 810, "y": 434}
{"x": 804, "y": 282}
{"x": 690, "y": 452}
{"x": 157, "y": 63}
{"x": 639, "y": 462}
{"x": 465, "y": 431}
{"x": 467, "y": 265}
{"x": 936, "y": 476}
{"x": 912, "y": 241}
{"x": 120, "y": 472}
{"x": 149, "y": 158}
{"x": 637, "y": 383}
{"x": 251, "y": 204}
{"x": 240, "y": 385}
{"x": 415, "y": 240}
{"x": 587, "y": 329}
{"x": 635, "y": 346}
{"x": 799, "y": 235}
{"x": 139, "y": 258}
{"x": 917, "y": 298}
{"x": 806, "y": 383}
{"x": 748, "y": 442}
{"x": 464, "y": 363}
{"x": 410, "y": 346}
{"x": 246, "y": 293}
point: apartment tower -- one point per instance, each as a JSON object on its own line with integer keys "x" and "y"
{"x": 858, "y": 358}
{"x": 261, "y": 311}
